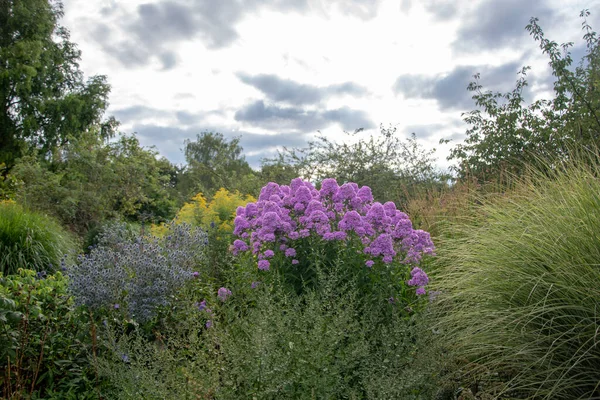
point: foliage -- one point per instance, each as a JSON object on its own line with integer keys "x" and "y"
{"x": 136, "y": 277}
{"x": 45, "y": 100}
{"x": 219, "y": 212}
{"x": 214, "y": 162}
{"x": 392, "y": 167}
{"x": 94, "y": 181}
{"x": 44, "y": 341}
{"x": 30, "y": 240}
{"x": 520, "y": 285}
{"x": 216, "y": 218}
{"x": 266, "y": 343}
{"x": 505, "y": 135}
{"x": 323, "y": 344}
{"x": 298, "y": 229}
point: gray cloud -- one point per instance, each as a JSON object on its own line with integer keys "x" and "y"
{"x": 158, "y": 25}
{"x": 291, "y": 118}
{"x": 131, "y": 113}
{"x": 285, "y": 90}
{"x": 450, "y": 90}
{"x": 168, "y": 59}
{"x": 497, "y": 24}
{"x": 442, "y": 10}
{"x": 425, "y": 131}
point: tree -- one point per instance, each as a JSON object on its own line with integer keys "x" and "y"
{"x": 393, "y": 167}
{"x": 505, "y": 135}
{"x": 94, "y": 181}
{"x": 44, "y": 100}
{"x": 214, "y": 162}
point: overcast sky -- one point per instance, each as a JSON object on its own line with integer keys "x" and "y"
{"x": 277, "y": 71}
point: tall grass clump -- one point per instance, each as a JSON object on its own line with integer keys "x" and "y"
{"x": 30, "y": 240}
{"x": 521, "y": 287}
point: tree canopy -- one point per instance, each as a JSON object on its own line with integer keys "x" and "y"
{"x": 45, "y": 100}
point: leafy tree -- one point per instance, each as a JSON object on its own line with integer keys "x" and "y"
{"x": 505, "y": 134}
{"x": 214, "y": 162}
{"x": 44, "y": 99}
{"x": 391, "y": 166}
{"x": 94, "y": 181}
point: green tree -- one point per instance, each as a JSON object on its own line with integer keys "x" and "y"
{"x": 505, "y": 134}
{"x": 44, "y": 98}
{"x": 94, "y": 181}
{"x": 214, "y": 162}
{"x": 393, "y": 167}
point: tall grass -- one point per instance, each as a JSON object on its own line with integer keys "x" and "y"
{"x": 521, "y": 287}
{"x": 30, "y": 240}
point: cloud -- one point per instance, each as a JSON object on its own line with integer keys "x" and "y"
{"x": 497, "y": 24}
{"x": 284, "y": 90}
{"x": 442, "y": 10}
{"x": 137, "y": 112}
{"x": 450, "y": 90}
{"x": 292, "y": 118}
{"x": 158, "y": 26}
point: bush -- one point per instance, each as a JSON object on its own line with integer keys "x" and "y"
{"x": 521, "y": 288}
{"x": 44, "y": 340}
{"x": 325, "y": 344}
{"x": 136, "y": 277}
{"x": 296, "y": 229}
{"x": 30, "y": 240}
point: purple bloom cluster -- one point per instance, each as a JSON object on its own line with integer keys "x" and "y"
{"x": 418, "y": 278}
{"x": 285, "y": 214}
{"x": 223, "y": 293}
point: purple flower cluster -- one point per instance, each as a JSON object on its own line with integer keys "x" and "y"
{"x": 347, "y": 213}
{"x": 418, "y": 278}
{"x": 223, "y": 293}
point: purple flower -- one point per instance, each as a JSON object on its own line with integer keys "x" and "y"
{"x": 209, "y": 324}
{"x": 267, "y": 191}
{"x": 420, "y": 291}
{"x": 264, "y": 265}
{"x": 369, "y": 263}
{"x": 365, "y": 194}
{"x": 223, "y": 293}
{"x": 269, "y": 253}
{"x": 116, "y": 306}
{"x": 254, "y": 285}
{"x": 419, "y": 277}
{"x": 239, "y": 246}
{"x": 195, "y": 274}
{"x": 290, "y": 252}
{"x": 294, "y": 261}
{"x": 202, "y": 305}
{"x": 329, "y": 187}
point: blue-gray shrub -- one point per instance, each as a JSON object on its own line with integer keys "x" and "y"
{"x": 138, "y": 275}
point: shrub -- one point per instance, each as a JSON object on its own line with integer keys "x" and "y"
{"x": 521, "y": 289}
{"x": 297, "y": 228}
{"x": 136, "y": 277}
{"x": 30, "y": 240}
{"x": 44, "y": 341}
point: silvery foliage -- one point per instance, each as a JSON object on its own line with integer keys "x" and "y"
{"x": 138, "y": 275}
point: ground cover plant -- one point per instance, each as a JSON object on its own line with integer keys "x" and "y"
{"x": 520, "y": 283}
{"x": 30, "y": 240}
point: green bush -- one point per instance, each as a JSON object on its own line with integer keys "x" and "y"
{"x": 44, "y": 342}
{"x": 266, "y": 343}
{"x": 521, "y": 287}
{"x": 30, "y": 240}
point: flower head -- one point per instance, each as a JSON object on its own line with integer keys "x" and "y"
{"x": 223, "y": 293}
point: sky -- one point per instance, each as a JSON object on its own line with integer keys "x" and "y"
{"x": 279, "y": 72}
